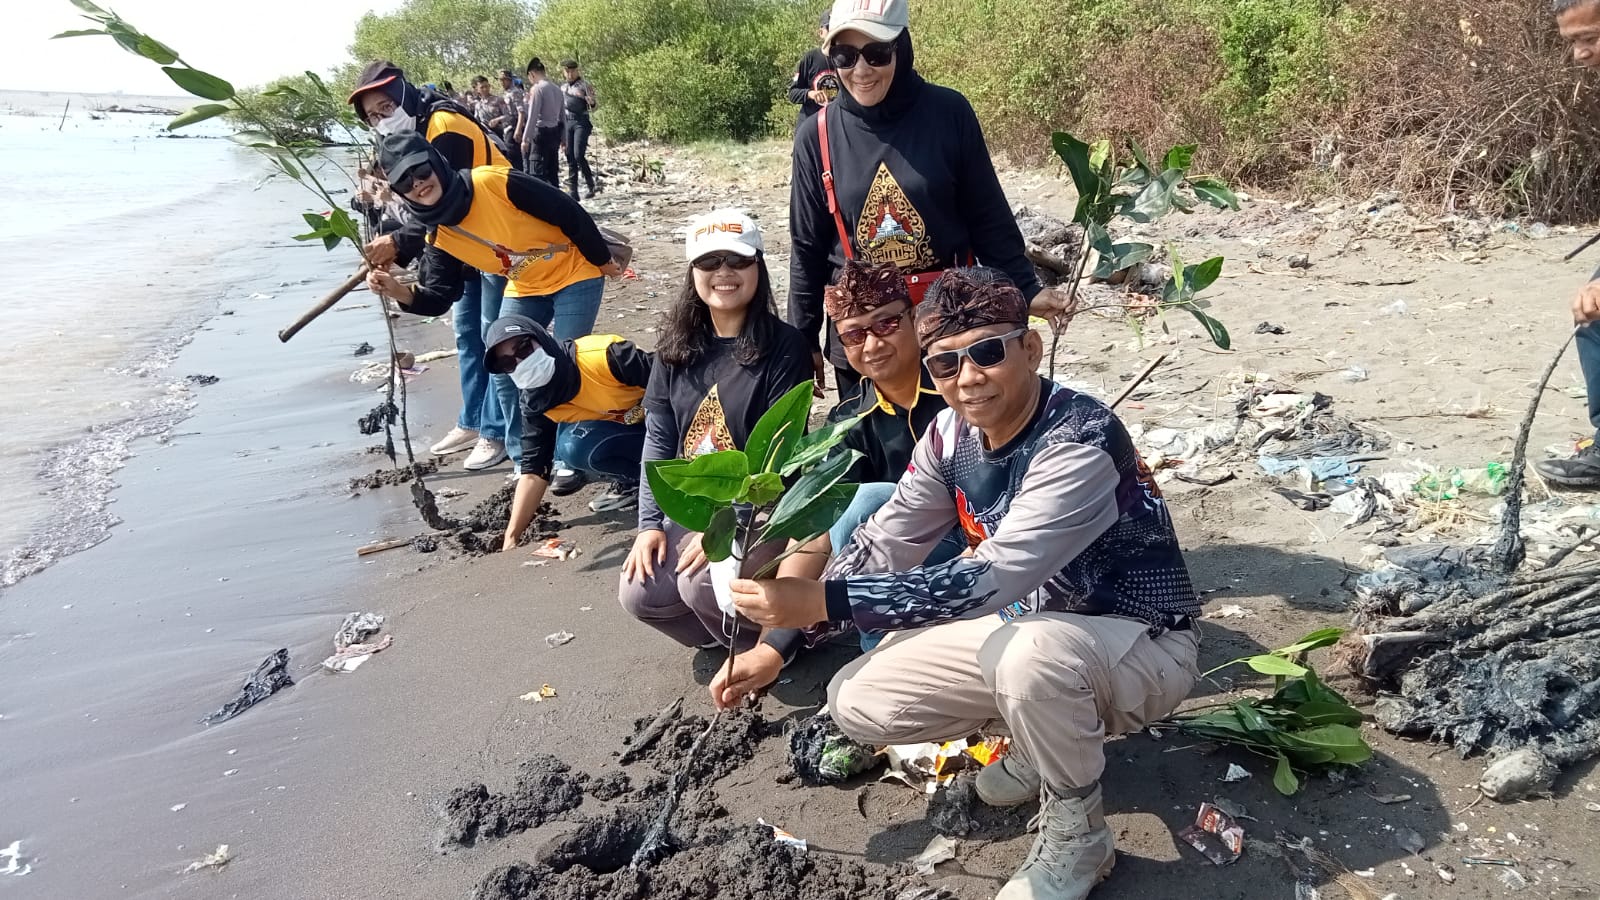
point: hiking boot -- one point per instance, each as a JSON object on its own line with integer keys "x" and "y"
{"x": 567, "y": 481}
{"x": 1073, "y": 852}
{"x": 457, "y": 439}
{"x": 1009, "y": 782}
{"x": 486, "y": 454}
{"x": 1580, "y": 471}
{"x": 622, "y": 494}
{"x": 594, "y": 188}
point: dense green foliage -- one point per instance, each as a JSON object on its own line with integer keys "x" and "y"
{"x": 444, "y": 40}
{"x": 296, "y": 111}
{"x": 678, "y": 70}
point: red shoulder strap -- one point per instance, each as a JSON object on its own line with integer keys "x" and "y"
{"x": 827, "y": 184}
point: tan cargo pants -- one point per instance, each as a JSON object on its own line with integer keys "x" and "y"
{"x": 1058, "y": 683}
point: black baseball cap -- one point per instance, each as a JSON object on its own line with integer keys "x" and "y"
{"x": 400, "y": 153}
{"x": 569, "y": 64}
{"x": 508, "y": 328}
{"x": 378, "y": 73}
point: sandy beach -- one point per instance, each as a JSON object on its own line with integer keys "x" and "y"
{"x": 334, "y": 788}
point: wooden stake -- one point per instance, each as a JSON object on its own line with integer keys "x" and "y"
{"x": 381, "y": 546}
{"x": 325, "y": 304}
{"x": 1138, "y": 380}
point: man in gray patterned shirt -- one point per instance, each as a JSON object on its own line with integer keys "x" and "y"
{"x": 1070, "y": 618}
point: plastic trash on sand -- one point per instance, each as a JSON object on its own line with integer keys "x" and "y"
{"x": 1489, "y": 480}
{"x": 12, "y": 857}
{"x": 216, "y": 859}
{"x": 928, "y": 765}
{"x": 353, "y": 644}
{"x": 1235, "y": 773}
{"x": 559, "y": 638}
{"x": 940, "y": 849}
{"x": 544, "y": 693}
{"x": 268, "y": 678}
{"x": 1216, "y": 835}
{"x": 821, "y": 754}
{"x": 556, "y": 548}
{"x": 783, "y": 837}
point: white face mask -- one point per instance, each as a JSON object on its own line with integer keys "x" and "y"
{"x": 397, "y": 122}
{"x": 534, "y": 372}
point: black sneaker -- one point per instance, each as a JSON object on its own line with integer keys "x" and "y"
{"x": 593, "y": 189}
{"x": 622, "y": 494}
{"x": 566, "y": 481}
{"x": 1580, "y": 471}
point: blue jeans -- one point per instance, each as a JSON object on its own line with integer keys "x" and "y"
{"x": 1589, "y": 360}
{"x": 868, "y": 498}
{"x": 574, "y": 309}
{"x": 481, "y": 410}
{"x": 607, "y": 449}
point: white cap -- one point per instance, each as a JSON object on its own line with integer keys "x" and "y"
{"x": 723, "y": 229}
{"x": 880, "y": 20}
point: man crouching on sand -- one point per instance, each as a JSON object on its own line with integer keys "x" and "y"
{"x": 1069, "y": 621}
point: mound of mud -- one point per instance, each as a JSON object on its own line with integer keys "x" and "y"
{"x": 730, "y": 745}
{"x": 592, "y": 864}
{"x": 545, "y": 788}
{"x": 389, "y": 477}
{"x": 484, "y": 528}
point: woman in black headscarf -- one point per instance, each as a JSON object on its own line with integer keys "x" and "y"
{"x": 893, "y": 171}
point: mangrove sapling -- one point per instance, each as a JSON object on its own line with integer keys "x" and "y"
{"x": 1143, "y": 193}
{"x": 785, "y": 485}
{"x": 289, "y": 159}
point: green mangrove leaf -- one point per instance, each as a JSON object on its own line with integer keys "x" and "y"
{"x": 779, "y": 429}
{"x": 201, "y": 84}
{"x": 198, "y": 113}
{"x": 1268, "y": 664}
{"x": 717, "y": 540}
{"x": 1215, "y": 192}
{"x": 719, "y": 477}
{"x": 693, "y": 513}
{"x": 1283, "y": 777}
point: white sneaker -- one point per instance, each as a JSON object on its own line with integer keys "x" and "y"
{"x": 458, "y": 439}
{"x": 485, "y": 454}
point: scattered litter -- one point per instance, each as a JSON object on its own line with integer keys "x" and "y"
{"x": 352, "y": 643}
{"x": 259, "y": 296}
{"x": 1299, "y": 261}
{"x": 1235, "y": 773}
{"x": 202, "y": 380}
{"x": 559, "y": 638}
{"x": 230, "y": 772}
{"x": 1397, "y": 308}
{"x": 1487, "y": 861}
{"x": 178, "y": 807}
{"x": 1237, "y": 810}
{"x": 1391, "y": 799}
{"x": 928, "y": 765}
{"x": 268, "y": 678}
{"x": 1305, "y": 890}
{"x": 1446, "y": 874}
{"x": 1513, "y": 879}
{"x": 556, "y": 548}
{"x": 363, "y": 349}
{"x": 542, "y": 694}
{"x": 354, "y": 656}
{"x": 585, "y": 609}
{"x": 1592, "y": 807}
{"x": 1355, "y": 375}
{"x": 1216, "y": 835}
{"x": 1365, "y": 873}
{"x": 821, "y": 754}
{"x": 1269, "y": 328}
{"x": 1518, "y": 775}
{"x": 215, "y": 860}
{"x": 1230, "y": 611}
{"x": 1409, "y": 840}
{"x": 783, "y": 837}
{"x": 433, "y": 355}
{"x": 535, "y": 563}
{"x": 12, "y": 856}
{"x": 940, "y": 849}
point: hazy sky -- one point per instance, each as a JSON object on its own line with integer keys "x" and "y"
{"x": 248, "y": 42}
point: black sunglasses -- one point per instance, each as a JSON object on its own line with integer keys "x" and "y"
{"x": 877, "y": 54}
{"x": 985, "y": 354}
{"x": 714, "y": 261}
{"x": 503, "y": 363}
{"x": 408, "y": 179}
{"x": 855, "y": 337}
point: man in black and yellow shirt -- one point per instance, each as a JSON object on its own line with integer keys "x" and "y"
{"x": 596, "y": 383}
